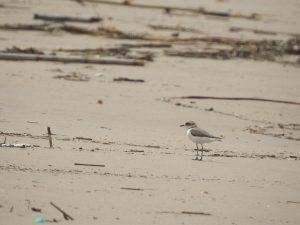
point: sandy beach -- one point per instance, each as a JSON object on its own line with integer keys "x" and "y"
{"x": 119, "y": 154}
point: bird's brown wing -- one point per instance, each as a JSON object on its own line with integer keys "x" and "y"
{"x": 201, "y": 133}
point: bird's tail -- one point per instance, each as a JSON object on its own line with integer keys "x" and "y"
{"x": 219, "y": 138}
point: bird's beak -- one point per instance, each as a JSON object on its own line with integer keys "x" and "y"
{"x": 182, "y": 125}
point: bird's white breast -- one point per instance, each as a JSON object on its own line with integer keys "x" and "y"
{"x": 198, "y": 140}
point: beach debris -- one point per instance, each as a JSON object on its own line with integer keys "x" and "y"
{"x": 22, "y": 135}
{"x": 11, "y": 209}
{"x": 30, "y": 27}
{"x": 36, "y": 209}
{"x": 29, "y": 121}
{"x": 239, "y": 99}
{"x": 177, "y": 28}
{"x": 25, "y": 50}
{"x": 74, "y": 76}
{"x": 231, "y": 154}
{"x": 212, "y": 54}
{"x": 18, "y": 145}
{"x": 258, "y": 31}
{"x": 186, "y": 212}
{"x": 120, "y": 79}
{"x": 112, "y": 51}
{"x": 40, "y": 220}
{"x": 119, "y": 52}
{"x": 53, "y": 18}
{"x": 293, "y": 46}
{"x": 133, "y": 150}
{"x": 269, "y": 50}
{"x": 65, "y": 215}
{"x": 147, "y": 45}
{"x": 87, "y": 164}
{"x": 169, "y": 9}
{"x": 290, "y": 126}
{"x": 293, "y": 202}
{"x": 277, "y": 130}
{"x": 132, "y": 189}
{"x": 146, "y": 146}
{"x": 100, "y": 101}
{"x": 83, "y": 138}
{"x": 70, "y": 59}
{"x": 195, "y": 213}
{"x": 50, "y": 137}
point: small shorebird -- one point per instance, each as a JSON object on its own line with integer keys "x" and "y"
{"x": 198, "y": 136}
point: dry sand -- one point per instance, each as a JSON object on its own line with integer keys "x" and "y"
{"x": 150, "y": 177}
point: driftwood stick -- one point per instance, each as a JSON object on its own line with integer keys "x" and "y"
{"x": 35, "y": 27}
{"x": 195, "y": 213}
{"x": 86, "y": 164}
{"x": 132, "y": 189}
{"x": 67, "y": 18}
{"x": 4, "y": 142}
{"x": 240, "y": 99}
{"x": 119, "y": 79}
{"x": 174, "y": 28}
{"x": 50, "y": 137}
{"x": 147, "y": 45}
{"x": 258, "y": 31}
{"x": 174, "y": 8}
{"x": 66, "y": 216}
{"x": 295, "y": 202}
{"x": 69, "y": 59}
{"x": 215, "y": 54}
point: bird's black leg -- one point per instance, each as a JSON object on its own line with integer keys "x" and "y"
{"x": 201, "y": 152}
{"x": 197, "y": 152}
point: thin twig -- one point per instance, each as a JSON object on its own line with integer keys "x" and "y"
{"x": 86, "y": 164}
{"x": 240, "y": 99}
{"x": 67, "y": 18}
{"x": 195, "y": 213}
{"x": 119, "y": 79}
{"x": 147, "y": 45}
{"x": 69, "y": 59}
{"x": 50, "y": 137}
{"x": 168, "y": 9}
{"x": 258, "y": 31}
{"x": 132, "y": 189}
{"x": 66, "y": 216}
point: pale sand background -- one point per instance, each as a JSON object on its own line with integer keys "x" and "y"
{"x": 243, "y": 189}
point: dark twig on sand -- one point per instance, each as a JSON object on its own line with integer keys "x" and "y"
{"x": 195, "y": 213}
{"x": 128, "y": 80}
{"x": 87, "y": 164}
{"x": 147, "y": 45}
{"x": 132, "y": 189}
{"x": 169, "y": 9}
{"x": 70, "y": 59}
{"x": 240, "y": 99}
{"x": 50, "y": 137}
{"x": 67, "y": 18}
{"x": 66, "y": 216}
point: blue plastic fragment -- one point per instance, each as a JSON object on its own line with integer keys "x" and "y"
{"x": 39, "y": 220}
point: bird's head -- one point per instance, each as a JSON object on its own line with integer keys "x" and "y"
{"x": 189, "y": 124}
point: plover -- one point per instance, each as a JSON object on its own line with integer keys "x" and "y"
{"x": 198, "y": 136}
